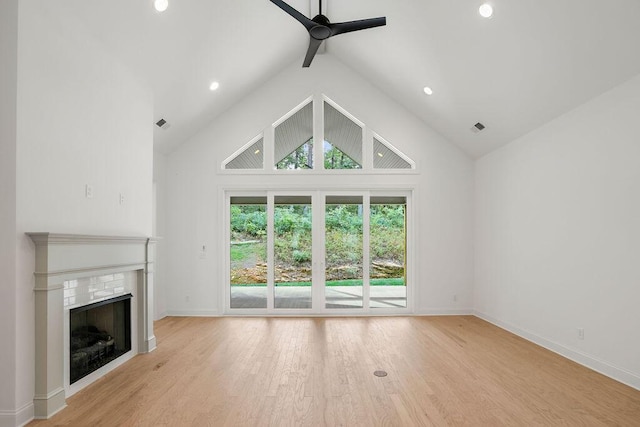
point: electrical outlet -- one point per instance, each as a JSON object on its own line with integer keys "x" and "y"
{"x": 186, "y": 298}
{"x": 88, "y": 191}
{"x": 203, "y": 251}
{"x": 455, "y": 298}
{"x": 580, "y": 333}
{"x": 121, "y": 199}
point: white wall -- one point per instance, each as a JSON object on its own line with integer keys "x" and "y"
{"x": 443, "y": 188}
{"x": 558, "y": 234}
{"x": 159, "y": 214}
{"x": 82, "y": 118}
{"x": 8, "y": 88}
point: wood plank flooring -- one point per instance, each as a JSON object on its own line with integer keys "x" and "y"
{"x": 458, "y": 371}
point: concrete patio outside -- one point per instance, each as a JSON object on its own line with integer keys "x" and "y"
{"x": 335, "y": 296}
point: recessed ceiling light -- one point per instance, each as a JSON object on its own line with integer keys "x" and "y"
{"x": 214, "y": 85}
{"x": 380, "y": 155}
{"x": 161, "y": 5}
{"x": 428, "y": 90}
{"x": 257, "y": 151}
{"x": 486, "y": 10}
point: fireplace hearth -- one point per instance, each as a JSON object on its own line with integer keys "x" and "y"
{"x": 99, "y": 333}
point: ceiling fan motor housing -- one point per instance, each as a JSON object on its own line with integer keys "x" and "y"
{"x": 322, "y": 30}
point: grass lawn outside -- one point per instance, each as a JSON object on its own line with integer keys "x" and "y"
{"x": 243, "y": 252}
{"x": 396, "y": 281}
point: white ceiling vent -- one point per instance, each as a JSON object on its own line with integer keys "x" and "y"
{"x": 163, "y": 124}
{"x": 477, "y": 127}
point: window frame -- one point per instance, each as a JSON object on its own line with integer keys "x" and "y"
{"x": 318, "y": 102}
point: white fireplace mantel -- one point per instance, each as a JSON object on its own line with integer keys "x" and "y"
{"x": 62, "y": 257}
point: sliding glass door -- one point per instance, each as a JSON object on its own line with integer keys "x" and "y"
{"x": 248, "y": 252}
{"x": 388, "y": 252}
{"x": 344, "y": 258}
{"x": 318, "y": 252}
{"x": 292, "y": 252}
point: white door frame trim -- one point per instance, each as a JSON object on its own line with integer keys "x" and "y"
{"x": 318, "y": 294}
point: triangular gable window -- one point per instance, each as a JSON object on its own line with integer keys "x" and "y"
{"x": 342, "y": 140}
{"x": 385, "y": 156}
{"x": 249, "y": 157}
{"x": 293, "y": 143}
{"x": 345, "y": 142}
{"x": 300, "y": 158}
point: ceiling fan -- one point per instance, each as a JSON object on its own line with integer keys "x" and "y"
{"x": 320, "y": 28}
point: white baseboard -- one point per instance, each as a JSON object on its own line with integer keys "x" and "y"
{"x": 444, "y": 312}
{"x": 422, "y": 312}
{"x": 193, "y": 313}
{"x": 618, "y": 374}
{"x": 17, "y": 418}
{"x": 159, "y": 316}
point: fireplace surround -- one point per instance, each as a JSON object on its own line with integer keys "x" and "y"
{"x": 72, "y": 271}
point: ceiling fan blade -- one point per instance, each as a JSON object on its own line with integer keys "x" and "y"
{"x": 311, "y": 52}
{"x": 308, "y": 23}
{"x": 361, "y": 24}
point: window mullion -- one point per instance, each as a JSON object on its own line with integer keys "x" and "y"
{"x": 268, "y": 149}
{"x": 365, "y": 250}
{"x": 318, "y": 133}
{"x": 270, "y": 252}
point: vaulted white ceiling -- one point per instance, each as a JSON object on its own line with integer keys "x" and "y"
{"x": 532, "y": 61}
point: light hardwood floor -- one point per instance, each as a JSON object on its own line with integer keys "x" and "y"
{"x": 319, "y": 371}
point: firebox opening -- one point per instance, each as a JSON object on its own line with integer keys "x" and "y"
{"x": 99, "y": 333}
